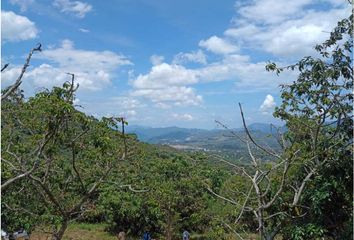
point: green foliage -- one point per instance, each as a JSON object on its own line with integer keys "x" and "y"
{"x": 317, "y": 109}
{"x": 68, "y": 152}
{"x": 172, "y": 198}
{"x": 63, "y": 154}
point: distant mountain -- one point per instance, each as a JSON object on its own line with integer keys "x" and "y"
{"x": 156, "y": 135}
{"x": 216, "y": 140}
{"x": 266, "y": 128}
{"x": 175, "y": 134}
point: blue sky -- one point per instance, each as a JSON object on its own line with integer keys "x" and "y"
{"x": 165, "y": 63}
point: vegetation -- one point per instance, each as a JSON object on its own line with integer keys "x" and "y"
{"x": 306, "y": 191}
{"x": 62, "y": 170}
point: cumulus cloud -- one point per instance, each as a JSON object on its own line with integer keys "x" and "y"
{"x": 125, "y": 102}
{"x": 248, "y": 76}
{"x": 267, "y": 105}
{"x": 76, "y": 8}
{"x": 170, "y": 83}
{"x": 165, "y": 75}
{"x": 46, "y": 75}
{"x": 179, "y": 96}
{"x": 93, "y": 70}
{"x": 241, "y": 31}
{"x": 167, "y": 83}
{"x": 183, "y": 117}
{"x": 218, "y": 45}
{"x": 10, "y": 75}
{"x": 157, "y": 59}
{"x": 273, "y": 11}
{"x": 16, "y": 27}
{"x": 23, "y": 4}
{"x": 291, "y": 32}
{"x": 197, "y": 57}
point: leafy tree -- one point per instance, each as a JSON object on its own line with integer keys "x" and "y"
{"x": 166, "y": 195}
{"x": 318, "y": 111}
{"x": 306, "y": 191}
{"x": 72, "y": 155}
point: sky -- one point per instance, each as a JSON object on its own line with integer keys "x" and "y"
{"x": 165, "y": 63}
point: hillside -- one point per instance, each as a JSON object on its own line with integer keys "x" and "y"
{"x": 220, "y": 141}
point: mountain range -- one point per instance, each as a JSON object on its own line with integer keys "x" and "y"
{"x": 216, "y": 140}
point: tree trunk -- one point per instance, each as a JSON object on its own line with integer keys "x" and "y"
{"x": 59, "y": 235}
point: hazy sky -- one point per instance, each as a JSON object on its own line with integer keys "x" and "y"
{"x": 162, "y": 62}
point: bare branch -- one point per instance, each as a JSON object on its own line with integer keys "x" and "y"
{"x": 4, "y": 67}
{"x": 244, "y": 205}
{"x": 221, "y": 197}
{"x": 236, "y": 233}
{"x": 19, "y": 79}
{"x": 46, "y": 139}
{"x": 251, "y": 138}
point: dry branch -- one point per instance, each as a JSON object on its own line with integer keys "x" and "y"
{"x": 18, "y": 82}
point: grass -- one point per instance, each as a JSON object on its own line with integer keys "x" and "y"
{"x": 80, "y": 231}
{"x": 85, "y": 231}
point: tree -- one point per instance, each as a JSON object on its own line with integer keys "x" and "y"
{"x": 318, "y": 111}
{"x": 314, "y": 168}
{"x": 74, "y": 154}
{"x": 168, "y": 195}
{"x": 17, "y": 99}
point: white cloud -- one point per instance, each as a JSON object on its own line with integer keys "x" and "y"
{"x": 197, "y": 57}
{"x": 268, "y": 104}
{"x": 93, "y": 70}
{"x": 84, "y": 30}
{"x": 272, "y": 11}
{"x": 247, "y": 76}
{"x": 179, "y": 96}
{"x": 10, "y": 75}
{"x": 77, "y": 8}
{"x": 47, "y": 76}
{"x": 298, "y": 37}
{"x": 125, "y": 102}
{"x": 239, "y": 32}
{"x": 165, "y": 75}
{"x": 16, "y": 28}
{"x": 168, "y": 83}
{"x": 129, "y": 114}
{"x": 23, "y": 4}
{"x": 218, "y": 45}
{"x": 183, "y": 117}
{"x": 292, "y": 32}
{"x": 157, "y": 59}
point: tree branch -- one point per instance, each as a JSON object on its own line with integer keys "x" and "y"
{"x": 19, "y": 79}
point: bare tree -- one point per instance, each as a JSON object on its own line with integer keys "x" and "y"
{"x": 268, "y": 183}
